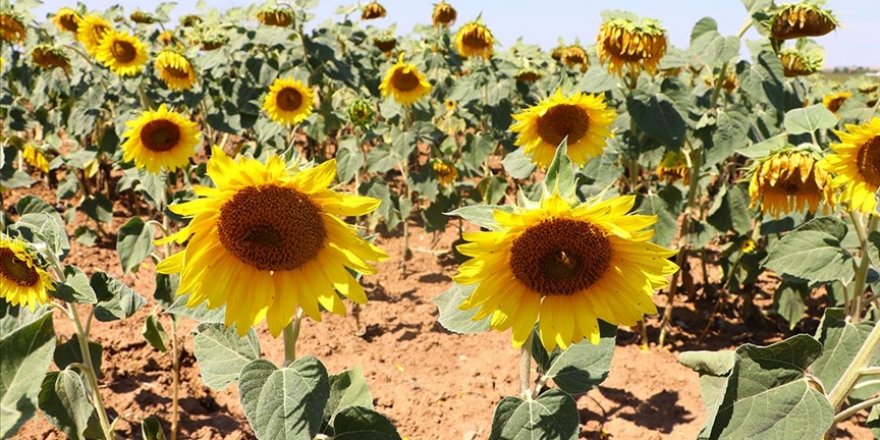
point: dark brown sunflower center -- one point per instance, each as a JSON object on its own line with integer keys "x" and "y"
{"x": 560, "y": 256}
{"x": 835, "y": 104}
{"x": 405, "y": 80}
{"x": 869, "y": 161}
{"x": 177, "y": 72}
{"x": 123, "y": 51}
{"x": 793, "y": 185}
{"x": 563, "y": 120}
{"x": 98, "y": 32}
{"x": 444, "y": 15}
{"x": 475, "y": 39}
{"x": 17, "y": 270}
{"x": 69, "y": 22}
{"x": 289, "y": 99}
{"x": 271, "y": 228}
{"x": 160, "y": 135}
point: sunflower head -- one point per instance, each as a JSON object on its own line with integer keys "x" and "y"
{"x": 564, "y": 267}
{"x": 637, "y": 46}
{"x": 833, "y": 101}
{"x": 289, "y": 101}
{"x": 122, "y": 53}
{"x": 673, "y": 166}
{"x": 444, "y": 14}
{"x": 800, "y": 63}
{"x": 450, "y": 105}
{"x": 528, "y": 75}
{"x": 582, "y": 119}
{"x": 275, "y": 16}
{"x": 867, "y": 87}
{"x": 373, "y": 10}
{"x": 557, "y": 51}
{"x": 49, "y": 57}
{"x": 66, "y": 19}
{"x": 212, "y": 42}
{"x": 142, "y": 17}
{"x": 35, "y": 158}
{"x": 23, "y": 282}
{"x": 404, "y": 83}
{"x": 92, "y": 29}
{"x": 166, "y": 37}
{"x": 160, "y": 140}
{"x": 360, "y": 113}
{"x": 731, "y": 82}
{"x": 175, "y": 70}
{"x": 445, "y": 171}
{"x": 12, "y": 28}
{"x": 474, "y": 39}
{"x": 748, "y": 246}
{"x": 385, "y": 42}
{"x": 190, "y": 20}
{"x": 789, "y": 181}
{"x": 575, "y": 56}
{"x": 800, "y": 20}
{"x": 274, "y": 241}
{"x": 855, "y": 165}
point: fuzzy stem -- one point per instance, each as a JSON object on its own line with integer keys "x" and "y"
{"x": 291, "y": 334}
{"x": 525, "y": 368}
{"x": 175, "y": 380}
{"x": 862, "y": 272}
{"x": 853, "y": 371}
{"x": 89, "y": 370}
{"x": 849, "y": 412}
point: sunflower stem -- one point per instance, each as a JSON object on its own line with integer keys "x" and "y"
{"x": 862, "y": 271}
{"x": 89, "y": 371}
{"x": 525, "y": 368}
{"x": 175, "y": 380}
{"x": 291, "y": 334}
{"x": 853, "y": 371}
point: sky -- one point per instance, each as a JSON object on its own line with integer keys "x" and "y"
{"x": 855, "y": 43}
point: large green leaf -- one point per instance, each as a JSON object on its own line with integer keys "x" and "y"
{"x": 26, "y": 355}
{"x": 347, "y": 389}
{"x": 657, "y": 116}
{"x": 552, "y": 416}
{"x": 813, "y": 252}
{"x": 115, "y": 299}
{"x": 359, "y": 423}
{"x": 841, "y": 340}
{"x": 583, "y": 366}
{"x": 560, "y": 176}
{"x": 75, "y": 288}
{"x": 134, "y": 243}
{"x": 63, "y": 400}
{"x": 222, "y": 353}
{"x": 454, "y": 319}
{"x": 810, "y": 119}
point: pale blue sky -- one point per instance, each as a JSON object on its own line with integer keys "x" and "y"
{"x": 857, "y": 42}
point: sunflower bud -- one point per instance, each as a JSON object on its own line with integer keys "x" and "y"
{"x": 624, "y": 43}
{"x": 360, "y": 113}
{"x": 801, "y": 20}
{"x": 372, "y": 11}
{"x": 212, "y": 42}
{"x": 444, "y": 14}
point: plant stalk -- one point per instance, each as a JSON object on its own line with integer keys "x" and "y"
{"x": 88, "y": 369}
{"x": 291, "y": 334}
{"x": 853, "y": 371}
{"x": 851, "y": 411}
{"x": 862, "y": 271}
{"x": 525, "y": 368}
{"x": 175, "y": 380}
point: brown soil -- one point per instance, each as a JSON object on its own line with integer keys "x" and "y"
{"x": 432, "y": 384}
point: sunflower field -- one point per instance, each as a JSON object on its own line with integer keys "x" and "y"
{"x": 243, "y": 224}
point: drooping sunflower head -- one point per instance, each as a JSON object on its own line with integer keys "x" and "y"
{"x": 581, "y": 118}
{"x": 122, "y": 53}
{"x": 12, "y": 28}
{"x": 474, "y": 39}
{"x": 444, "y": 14}
{"x": 212, "y": 41}
{"x": 528, "y": 75}
{"x": 800, "y": 20}
{"x": 445, "y": 171}
{"x": 373, "y": 10}
{"x": 637, "y": 46}
{"x": 160, "y": 140}
{"x": 868, "y": 87}
{"x": 289, "y": 101}
{"x": 49, "y": 57}
{"x": 175, "y": 70}
{"x": 833, "y": 101}
{"x": 789, "y": 181}
{"x": 404, "y": 83}
{"x": 564, "y": 267}
{"x": 265, "y": 242}
{"x": 731, "y": 82}
{"x": 35, "y": 158}
{"x": 385, "y": 42}
{"x": 23, "y": 282}
{"x": 800, "y": 63}
{"x": 575, "y": 56}
{"x": 92, "y": 29}
{"x": 360, "y": 113}
{"x": 557, "y": 51}
{"x": 142, "y": 17}
{"x": 190, "y": 20}
{"x": 166, "y": 37}
{"x": 67, "y": 19}
{"x": 855, "y": 165}
{"x": 275, "y": 16}
{"x": 673, "y": 166}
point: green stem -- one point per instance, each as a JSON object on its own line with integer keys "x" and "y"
{"x": 89, "y": 370}
{"x": 851, "y": 411}
{"x": 175, "y": 380}
{"x": 862, "y": 271}
{"x": 525, "y": 368}
{"x": 291, "y": 334}
{"x": 853, "y": 371}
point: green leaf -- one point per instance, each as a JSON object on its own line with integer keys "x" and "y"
{"x": 222, "y": 353}
{"x": 151, "y": 429}
{"x": 810, "y": 119}
{"x": 712, "y": 48}
{"x": 134, "y": 243}
{"x": 99, "y": 208}
{"x": 765, "y": 83}
{"x": 33, "y": 204}
{"x": 116, "y": 300}
{"x": 714, "y": 368}
{"x": 26, "y": 355}
{"x": 788, "y": 302}
{"x": 492, "y": 189}
{"x": 666, "y": 205}
{"x": 657, "y": 116}
{"x": 518, "y": 165}
{"x": 47, "y": 227}
{"x": 813, "y": 252}
{"x": 286, "y": 403}
{"x": 454, "y": 319}
{"x": 552, "y": 416}
{"x": 841, "y": 340}
{"x": 358, "y": 423}
{"x": 75, "y": 288}
{"x": 560, "y": 176}
{"x": 732, "y": 126}
{"x": 68, "y": 353}
{"x": 873, "y": 422}
{"x": 349, "y": 159}
{"x": 583, "y": 366}
{"x": 704, "y": 25}
{"x": 154, "y": 333}
{"x": 347, "y": 389}
{"x": 480, "y": 215}
{"x": 63, "y": 400}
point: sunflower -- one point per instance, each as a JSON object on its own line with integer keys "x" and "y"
{"x": 275, "y": 16}
{"x": 166, "y": 38}
{"x": 833, "y": 101}
{"x": 748, "y": 246}
{"x": 575, "y": 56}
{"x": 789, "y": 181}
{"x": 445, "y": 171}
{"x": 404, "y": 83}
{"x": 264, "y": 242}
{"x": 190, "y": 20}
{"x": 386, "y": 43}
{"x": 856, "y": 164}
{"x": 35, "y": 158}
{"x": 213, "y": 42}
{"x": 91, "y": 30}
{"x": 528, "y": 75}
{"x": 12, "y": 27}
{"x": 372, "y": 11}
{"x": 123, "y": 53}
{"x": 638, "y": 46}
{"x": 450, "y": 105}
{"x": 22, "y": 281}
{"x": 142, "y": 17}
{"x": 583, "y": 119}
{"x": 360, "y": 113}
{"x": 175, "y": 69}
{"x": 444, "y": 14}
{"x": 474, "y": 40}
{"x": 160, "y": 140}
{"x": 800, "y": 20}
{"x": 67, "y": 19}
{"x": 289, "y": 101}
{"x": 564, "y": 267}
{"x": 673, "y": 166}
{"x": 49, "y": 57}
{"x": 800, "y": 63}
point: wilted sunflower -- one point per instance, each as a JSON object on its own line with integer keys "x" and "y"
{"x": 833, "y": 101}
{"x": 50, "y": 57}
{"x": 474, "y": 40}
{"x": 12, "y": 27}
{"x": 556, "y": 53}
{"x": 528, "y": 75}
{"x": 92, "y": 29}
{"x": 175, "y": 69}
{"x": 289, "y": 101}
{"x": 404, "y": 83}
{"x": 444, "y": 14}
{"x": 35, "y": 158}
{"x": 67, "y": 19}
{"x": 275, "y": 16}
{"x": 445, "y": 171}
{"x": 212, "y": 42}
{"x": 143, "y": 17}
{"x": 564, "y": 267}
{"x": 264, "y": 242}
{"x": 868, "y": 87}
{"x": 638, "y": 46}
{"x": 583, "y": 119}
{"x": 856, "y": 164}
{"x": 22, "y": 281}
{"x": 801, "y": 20}
{"x": 799, "y": 63}
{"x": 160, "y": 140}
{"x": 386, "y": 43}
{"x": 575, "y": 56}
{"x": 123, "y": 53}
{"x": 372, "y": 10}
{"x": 673, "y": 166}
{"x": 789, "y": 181}
{"x": 190, "y": 20}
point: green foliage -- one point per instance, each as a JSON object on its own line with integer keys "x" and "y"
{"x": 27, "y": 353}
{"x": 222, "y": 353}
{"x": 813, "y": 252}
{"x": 553, "y": 416}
